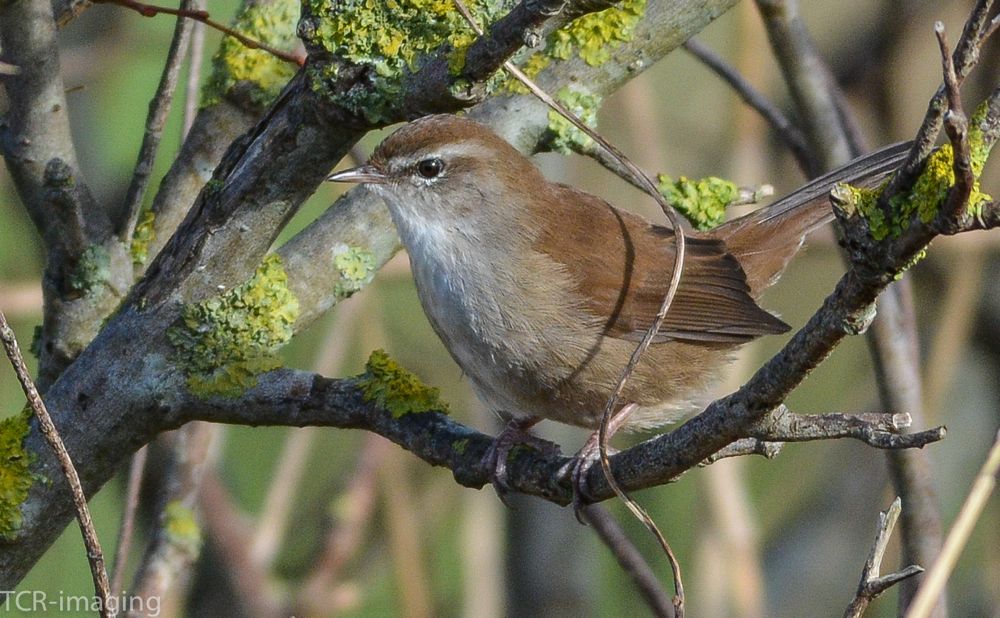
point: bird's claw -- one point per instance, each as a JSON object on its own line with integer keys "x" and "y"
{"x": 513, "y": 435}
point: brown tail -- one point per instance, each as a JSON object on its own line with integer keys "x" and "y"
{"x": 765, "y": 240}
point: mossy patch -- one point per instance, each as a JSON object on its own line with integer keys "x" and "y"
{"x": 703, "y": 201}
{"x": 390, "y": 38}
{"x": 144, "y": 234}
{"x": 389, "y": 386}
{"x": 565, "y": 137}
{"x": 257, "y": 74}
{"x": 356, "y": 267}
{"x": 224, "y": 342}
{"x": 15, "y": 475}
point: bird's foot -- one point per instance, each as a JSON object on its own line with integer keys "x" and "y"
{"x": 590, "y": 454}
{"x": 513, "y": 435}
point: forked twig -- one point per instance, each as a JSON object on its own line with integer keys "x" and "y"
{"x": 102, "y": 588}
{"x": 871, "y": 584}
{"x": 675, "y": 278}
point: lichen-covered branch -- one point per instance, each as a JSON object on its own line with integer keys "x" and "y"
{"x": 86, "y": 270}
{"x": 385, "y": 401}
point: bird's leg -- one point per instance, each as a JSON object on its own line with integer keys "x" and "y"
{"x": 589, "y": 454}
{"x": 516, "y": 433}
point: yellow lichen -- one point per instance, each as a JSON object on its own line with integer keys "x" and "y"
{"x": 592, "y": 37}
{"x": 144, "y": 234}
{"x": 257, "y": 74}
{"x": 392, "y": 38}
{"x": 15, "y": 475}
{"x": 224, "y": 342}
{"x": 395, "y": 389}
{"x": 182, "y": 528}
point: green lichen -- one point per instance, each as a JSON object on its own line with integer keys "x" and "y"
{"x": 862, "y": 201}
{"x": 143, "y": 235}
{"x": 391, "y": 38}
{"x": 224, "y": 342}
{"x": 594, "y": 36}
{"x": 565, "y": 137}
{"x": 92, "y": 269}
{"x": 182, "y": 527}
{"x": 356, "y": 267}
{"x": 15, "y": 475}
{"x": 395, "y": 389}
{"x": 703, "y": 202}
{"x": 257, "y": 74}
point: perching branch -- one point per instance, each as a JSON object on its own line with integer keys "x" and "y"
{"x": 298, "y": 399}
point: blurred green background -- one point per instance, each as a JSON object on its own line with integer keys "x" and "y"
{"x": 786, "y": 537}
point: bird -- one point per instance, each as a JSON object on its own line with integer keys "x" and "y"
{"x": 541, "y": 291}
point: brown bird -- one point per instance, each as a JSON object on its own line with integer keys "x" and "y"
{"x": 541, "y": 292}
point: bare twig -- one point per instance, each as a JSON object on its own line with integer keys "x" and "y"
{"x": 149, "y": 10}
{"x": 785, "y": 128}
{"x": 127, "y": 527}
{"x": 159, "y": 110}
{"x": 94, "y": 554}
{"x": 871, "y": 584}
{"x": 957, "y": 127}
{"x": 809, "y": 84}
{"x": 879, "y": 430}
{"x": 193, "y": 86}
{"x": 629, "y": 559}
{"x": 972, "y": 508}
{"x": 965, "y": 57}
{"x": 743, "y": 447}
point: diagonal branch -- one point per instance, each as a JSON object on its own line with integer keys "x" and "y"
{"x": 159, "y": 109}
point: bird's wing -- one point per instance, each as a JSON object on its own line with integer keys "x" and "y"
{"x": 624, "y": 279}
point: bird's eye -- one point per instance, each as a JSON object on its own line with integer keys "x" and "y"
{"x": 430, "y": 168}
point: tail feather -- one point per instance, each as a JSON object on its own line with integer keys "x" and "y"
{"x": 765, "y": 240}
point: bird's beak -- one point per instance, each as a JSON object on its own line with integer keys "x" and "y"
{"x": 367, "y": 174}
